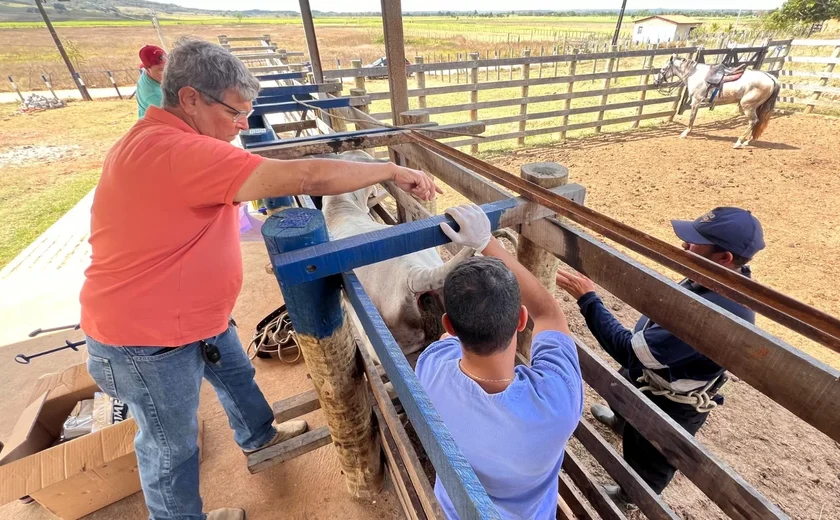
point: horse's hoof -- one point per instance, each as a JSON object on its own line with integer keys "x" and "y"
{"x": 737, "y": 145}
{"x": 683, "y": 135}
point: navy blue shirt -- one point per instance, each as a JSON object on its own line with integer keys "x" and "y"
{"x": 650, "y": 348}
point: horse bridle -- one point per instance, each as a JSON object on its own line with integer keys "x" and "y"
{"x": 675, "y": 71}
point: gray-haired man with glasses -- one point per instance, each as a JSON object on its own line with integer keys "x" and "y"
{"x": 166, "y": 268}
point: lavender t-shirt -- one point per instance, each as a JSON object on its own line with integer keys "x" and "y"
{"x": 514, "y": 440}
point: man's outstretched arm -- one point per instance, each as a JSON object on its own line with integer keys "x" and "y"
{"x": 276, "y": 178}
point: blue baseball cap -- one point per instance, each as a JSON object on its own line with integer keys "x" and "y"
{"x": 733, "y": 229}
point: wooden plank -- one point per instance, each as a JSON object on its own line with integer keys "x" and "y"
{"x": 457, "y": 476}
{"x": 294, "y": 126}
{"x": 417, "y": 476}
{"x": 808, "y": 388}
{"x": 311, "y": 41}
{"x": 809, "y": 101}
{"x": 809, "y": 74}
{"x": 595, "y": 493}
{"x": 561, "y": 128}
{"x": 815, "y": 43}
{"x": 637, "y": 489}
{"x": 288, "y": 450}
{"x": 295, "y": 406}
{"x": 579, "y": 506}
{"x": 280, "y": 76}
{"x": 810, "y": 88}
{"x": 341, "y": 142}
{"x": 385, "y": 215}
{"x": 601, "y": 108}
{"x": 270, "y": 68}
{"x": 410, "y": 502}
{"x": 294, "y": 90}
{"x": 392, "y": 26}
{"x": 268, "y": 54}
{"x": 603, "y": 102}
{"x": 606, "y": 122}
{"x": 735, "y": 496}
{"x": 814, "y": 59}
{"x": 505, "y": 62}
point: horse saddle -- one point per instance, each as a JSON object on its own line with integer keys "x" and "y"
{"x": 720, "y": 74}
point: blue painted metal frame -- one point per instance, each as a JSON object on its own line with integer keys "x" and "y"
{"x": 292, "y": 106}
{"x": 270, "y": 100}
{"x": 339, "y": 256}
{"x": 337, "y": 137}
{"x": 281, "y": 75}
{"x": 291, "y": 90}
{"x": 460, "y": 481}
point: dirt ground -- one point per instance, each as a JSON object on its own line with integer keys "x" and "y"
{"x": 789, "y": 181}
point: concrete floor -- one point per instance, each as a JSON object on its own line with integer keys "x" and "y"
{"x": 309, "y": 487}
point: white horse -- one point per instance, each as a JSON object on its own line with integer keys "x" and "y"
{"x": 755, "y": 92}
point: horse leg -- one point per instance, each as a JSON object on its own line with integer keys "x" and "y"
{"x": 695, "y": 106}
{"x": 752, "y": 120}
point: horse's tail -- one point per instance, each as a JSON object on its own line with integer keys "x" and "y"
{"x": 765, "y": 110}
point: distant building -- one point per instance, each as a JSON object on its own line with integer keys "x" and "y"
{"x": 664, "y": 28}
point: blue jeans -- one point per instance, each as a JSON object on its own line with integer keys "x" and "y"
{"x": 161, "y": 387}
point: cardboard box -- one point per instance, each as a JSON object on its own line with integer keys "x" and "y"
{"x": 77, "y": 477}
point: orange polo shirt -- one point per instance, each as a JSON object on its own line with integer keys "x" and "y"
{"x": 166, "y": 266}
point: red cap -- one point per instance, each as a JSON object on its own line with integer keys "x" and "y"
{"x": 152, "y": 55}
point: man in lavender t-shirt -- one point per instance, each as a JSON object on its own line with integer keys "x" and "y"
{"x": 512, "y": 423}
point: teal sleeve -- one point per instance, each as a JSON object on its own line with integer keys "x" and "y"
{"x": 148, "y": 94}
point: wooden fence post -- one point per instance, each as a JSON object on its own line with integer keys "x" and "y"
{"x": 542, "y": 53}
{"x": 823, "y": 81}
{"x": 523, "y": 108}
{"x": 604, "y": 97}
{"x": 360, "y": 80}
{"x": 541, "y": 263}
{"x": 646, "y": 64}
{"x": 413, "y": 117}
{"x": 474, "y": 97}
{"x": 421, "y": 81}
{"x": 458, "y": 69}
{"x": 556, "y": 63}
{"x": 364, "y": 108}
{"x": 569, "y": 89}
{"x": 325, "y": 336}
{"x": 498, "y": 68}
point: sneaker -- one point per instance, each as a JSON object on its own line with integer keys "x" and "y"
{"x": 226, "y": 513}
{"x": 606, "y": 416}
{"x": 285, "y": 431}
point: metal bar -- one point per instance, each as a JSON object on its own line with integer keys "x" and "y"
{"x": 280, "y": 75}
{"x": 800, "y": 317}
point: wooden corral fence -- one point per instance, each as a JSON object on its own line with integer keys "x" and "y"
{"x": 316, "y": 276}
{"x": 810, "y": 80}
{"x": 596, "y": 89}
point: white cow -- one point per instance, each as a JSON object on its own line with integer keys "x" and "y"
{"x": 405, "y": 289}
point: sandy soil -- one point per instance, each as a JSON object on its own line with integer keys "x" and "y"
{"x": 789, "y": 180}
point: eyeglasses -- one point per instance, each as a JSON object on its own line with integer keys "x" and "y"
{"x": 240, "y": 114}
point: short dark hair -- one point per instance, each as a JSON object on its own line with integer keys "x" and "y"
{"x": 738, "y": 260}
{"x": 482, "y": 300}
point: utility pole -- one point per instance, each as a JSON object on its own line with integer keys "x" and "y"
{"x": 156, "y": 25}
{"x": 76, "y": 77}
{"x": 618, "y": 25}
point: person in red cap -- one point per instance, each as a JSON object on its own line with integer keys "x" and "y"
{"x": 149, "y": 92}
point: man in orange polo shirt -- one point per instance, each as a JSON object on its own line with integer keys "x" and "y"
{"x": 166, "y": 268}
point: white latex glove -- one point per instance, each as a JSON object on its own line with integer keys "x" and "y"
{"x": 474, "y": 227}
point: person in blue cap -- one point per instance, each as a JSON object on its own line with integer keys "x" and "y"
{"x": 681, "y": 381}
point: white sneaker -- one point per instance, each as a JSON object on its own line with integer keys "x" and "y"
{"x": 226, "y": 513}
{"x": 285, "y": 431}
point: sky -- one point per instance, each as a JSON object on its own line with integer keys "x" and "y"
{"x": 482, "y": 5}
